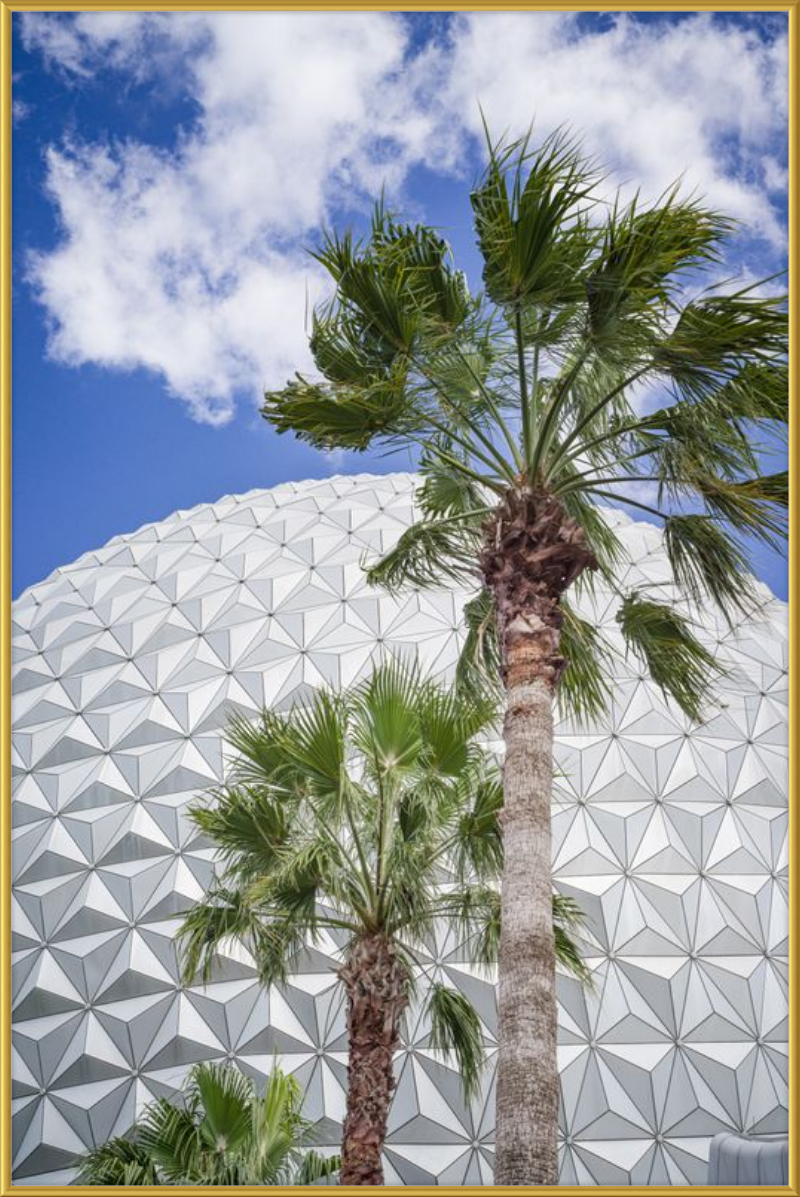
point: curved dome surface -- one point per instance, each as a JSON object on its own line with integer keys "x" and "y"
{"x": 672, "y": 838}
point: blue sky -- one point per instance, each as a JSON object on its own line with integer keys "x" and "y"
{"x": 171, "y": 169}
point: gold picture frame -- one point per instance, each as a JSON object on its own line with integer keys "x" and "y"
{"x": 7, "y": 10}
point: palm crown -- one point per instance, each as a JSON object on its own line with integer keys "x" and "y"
{"x": 527, "y": 392}
{"x": 370, "y": 812}
{"x": 370, "y": 815}
{"x": 223, "y": 1133}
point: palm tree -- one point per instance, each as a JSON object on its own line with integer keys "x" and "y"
{"x": 223, "y": 1133}
{"x": 592, "y": 366}
{"x": 347, "y": 816}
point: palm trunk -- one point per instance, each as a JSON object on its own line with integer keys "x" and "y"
{"x": 532, "y": 553}
{"x": 377, "y": 993}
{"x": 527, "y": 1071}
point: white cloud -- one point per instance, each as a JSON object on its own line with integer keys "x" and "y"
{"x": 190, "y": 262}
{"x": 653, "y": 102}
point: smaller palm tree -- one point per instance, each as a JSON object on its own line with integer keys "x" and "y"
{"x": 371, "y": 815}
{"x": 222, "y": 1133}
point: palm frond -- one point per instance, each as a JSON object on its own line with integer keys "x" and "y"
{"x": 760, "y": 391}
{"x": 645, "y": 254}
{"x": 716, "y": 336}
{"x": 343, "y": 416}
{"x": 229, "y": 916}
{"x": 567, "y": 918}
{"x": 343, "y": 355}
{"x": 663, "y": 640}
{"x": 478, "y": 667}
{"x": 456, "y": 1031}
{"x": 223, "y": 916}
{"x": 583, "y": 691}
{"x": 445, "y": 492}
{"x": 689, "y": 445}
{"x": 262, "y": 749}
{"x": 532, "y": 235}
{"x": 305, "y": 874}
{"x": 278, "y": 1132}
{"x": 473, "y": 912}
{"x": 225, "y": 1096}
{"x": 317, "y": 744}
{"x": 449, "y": 723}
{"x": 171, "y": 1138}
{"x": 248, "y": 826}
{"x": 427, "y": 553}
{"x": 756, "y": 506}
{"x": 421, "y": 259}
{"x": 567, "y": 912}
{"x": 385, "y": 726}
{"x": 120, "y": 1161}
{"x": 315, "y": 1167}
{"x": 708, "y": 563}
{"x": 381, "y": 303}
{"x": 478, "y": 839}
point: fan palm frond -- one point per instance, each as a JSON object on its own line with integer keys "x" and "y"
{"x": 663, "y": 640}
{"x": 223, "y": 1132}
{"x": 707, "y": 562}
{"x": 716, "y": 336}
{"x": 226, "y": 1097}
{"x": 584, "y": 692}
{"x": 645, "y": 253}
{"x": 754, "y": 506}
{"x": 223, "y": 916}
{"x": 427, "y": 551}
{"x": 456, "y": 1031}
{"x": 521, "y": 228}
{"x": 120, "y": 1161}
{"x": 478, "y": 667}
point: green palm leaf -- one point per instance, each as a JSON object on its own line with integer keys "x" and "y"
{"x": 456, "y": 1031}
{"x": 343, "y": 416}
{"x": 220, "y": 1131}
{"x": 715, "y": 337}
{"x": 584, "y": 691}
{"x": 315, "y": 1167}
{"x": 226, "y": 1097}
{"x": 707, "y": 563}
{"x": 645, "y": 253}
{"x": 521, "y": 230}
{"x": 567, "y": 920}
{"x": 247, "y": 825}
{"x": 662, "y": 638}
{"x": 117, "y": 1162}
{"x": 171, "y": 1137}
{"x": 478, "y": 667}
{"x": 426, "y": 552}
{"x": 478, "y": 840}
{"x": 756, "y": 506}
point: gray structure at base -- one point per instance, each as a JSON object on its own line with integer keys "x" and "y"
{"x": 671, "y": 837}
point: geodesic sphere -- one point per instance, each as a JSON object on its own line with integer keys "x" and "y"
{"x": 128, "y": 664}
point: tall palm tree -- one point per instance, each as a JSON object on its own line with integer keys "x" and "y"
{"x": 347, "y": 816}
{"x": 592, "y": 366}
{"x": 223, "y": 1133}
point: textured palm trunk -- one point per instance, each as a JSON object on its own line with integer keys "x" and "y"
{"x": 532, "y": 553}
{"x": 527, "y": 1075}
{"x": 377, "y": 993}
